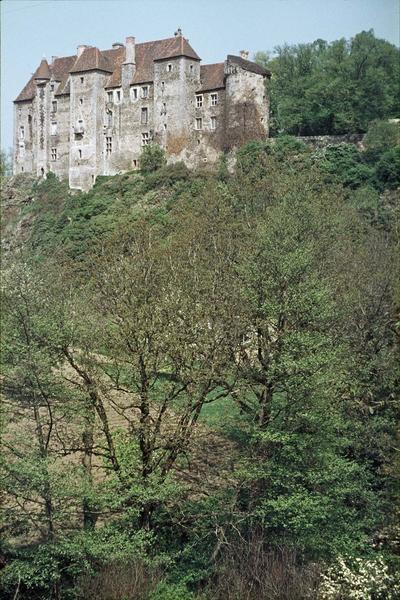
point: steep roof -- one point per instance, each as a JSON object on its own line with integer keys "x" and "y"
{"x": 43, "y": 71}
{"x": 212, "y": 77}
{"x": 248, "y": 65}
{"x": 146, "y": 53}
{"x": 92, "y": 59}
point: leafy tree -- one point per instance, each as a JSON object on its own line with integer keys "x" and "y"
{"x": 152, "y": 158}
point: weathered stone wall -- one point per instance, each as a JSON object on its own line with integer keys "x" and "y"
{"x": 23, "y": 157}
{"x": 60, "y": 133}
{"x": 246, "y": 107}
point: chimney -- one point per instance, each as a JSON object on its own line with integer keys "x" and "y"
{"x": 117, "y": 45}
{"x": 80, "y": 49}
{"x": 244, "y": 54}
{"x": 128, "y": 66}
{"x": 129, "y": 51}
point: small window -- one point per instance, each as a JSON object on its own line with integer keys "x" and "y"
{"x": 118, "y": 96}
{"x": 108, "y": 146}
{"x": 54, "y": 128}
{"x": 145, "y": 138}
{"x": 54, "y": 106}
{"x": 82, "y": 79}
{"x": 199, "y": 100}
{"x": 54, "y": 154}
{"x": 162, "y": 86}
{"x": 135, "y": 163}
{"x": 165, "y": 126}
{"x": 109, "y": 96}
{"x": 214, "y": 99}
{"x": 199, "y": 123}
{"x": 144, "y": 116}
{"x": 164, "y": 108}
{"x": 80, "y": 153}
{"x": 213, "y": 122}
{"x": 169, "y": 67}
{"x": 191, "y": 68}
{"x": 145, "y": 91}
{"x": 52, "y": 87}
{"x": 22, "y": 132}
{"x": 109, "y": 119}
{"x": 134, "y": 93}
{"x": 81, "y": 101}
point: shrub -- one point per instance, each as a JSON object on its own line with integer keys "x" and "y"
{"x": 152, "y": 158}
{"x": 358, "y": 579}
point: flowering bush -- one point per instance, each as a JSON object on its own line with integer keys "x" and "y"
{"x": 359, "y": 579}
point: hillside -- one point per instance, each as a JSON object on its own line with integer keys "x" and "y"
{"x": 200, "y": 379}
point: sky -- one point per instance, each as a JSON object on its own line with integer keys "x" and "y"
{"x": 31, "y": 29}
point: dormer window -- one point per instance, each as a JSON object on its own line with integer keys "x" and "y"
{"x": 199, "y": 100}
{"x": 214, "y": 99}
{"x": 118, "y": 96}
{"x": 134, "y": 93}
{"x": 145, "y": 91}
{"x": 109, "y": 96}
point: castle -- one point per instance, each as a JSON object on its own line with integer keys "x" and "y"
{"x": 91, "y": 114}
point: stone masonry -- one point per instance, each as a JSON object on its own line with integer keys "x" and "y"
{"x": 91, "y": 114}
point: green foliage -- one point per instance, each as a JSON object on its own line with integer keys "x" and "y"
{"x": 152, "y": 158}
{"x": 171, "y": 591}
{"x": 326, "y": 88}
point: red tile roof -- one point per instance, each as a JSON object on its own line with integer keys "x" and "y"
{"x": 248, "y": 65}
{"x": 43, "y": 72}
{"x": 212, "y": 77}
{"x": 92, "y": 59}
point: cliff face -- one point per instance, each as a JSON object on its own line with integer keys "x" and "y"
{"x": 17, "y": 193}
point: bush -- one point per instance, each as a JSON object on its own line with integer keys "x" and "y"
{"x": 152, "y": 158}
{"x": 171, "y": 591}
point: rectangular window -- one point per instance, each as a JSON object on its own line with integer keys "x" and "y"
{"x": 109, "y": 119}
{"x": 134, "y": 93}
{"x": 214, "y": 99}
{"x": 82, "y": 79}
{"x": 213, "y": 122}
{"x": 54, "y": 154}
{"x": 54, "y": 128}
{"x": 169, "y": 67}
{"x": 199, "y": 100}
{"x": 118, "y": 96}
{"x": 191, "y": 68}
{"x": 81, "y": 101}
{"x": 52, "y": 87}
{"x": 199, "y": 123}
{"x": 109, "y": 96}
{"x": 22, "y": 132}
{"x": 145, "y": 138}
{"x": 145, "y": 91}
{"x": 54, "y": 106}
{"x": 108, "y": 146}
{"x": 144, "y": 116}
{"x": 80, "y": 153}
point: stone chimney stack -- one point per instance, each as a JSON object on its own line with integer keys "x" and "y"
{"x": 129, "y": 65}
{"x": 130, "y": 51}
{"x": 80, "y": 49}
{"x": 244, "y": 54}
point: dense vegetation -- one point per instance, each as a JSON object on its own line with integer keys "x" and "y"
{"x": 200, "y": 379}
{"x": 333, "y": 88}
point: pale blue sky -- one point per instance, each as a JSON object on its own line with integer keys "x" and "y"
{"x": 35, "y": 28}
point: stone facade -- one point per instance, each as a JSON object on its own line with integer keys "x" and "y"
{"x": 91, "y": 114}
